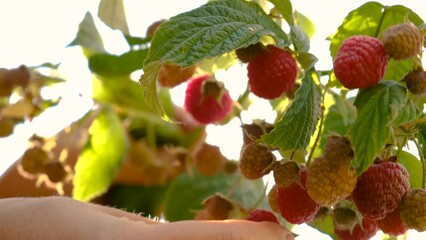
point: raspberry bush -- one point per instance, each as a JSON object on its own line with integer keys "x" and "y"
{"x": 345, "y": 154}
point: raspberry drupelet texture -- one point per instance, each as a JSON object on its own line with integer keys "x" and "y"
{"x": 360, "y": 62}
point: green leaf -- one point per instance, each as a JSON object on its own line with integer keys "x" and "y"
{"x": 414, "y": 168}
{"x": 298, "y": 124}
{"x": 305, "y": 23}
{"x": 409, "y": 112}
{"x": 88, "y": 36}
{"x": 306, "y": 60}
{"x": 112, "y": 13}
{"x": 209, "y": 31}
{"x": 286, "y": 9}
{"x": 101, "y": 158}
{"x": 113, "y": 65}
{"x": 186, "y": 193}
{"x": 396, "y": 70}
{"x": 300, "y": 38}
{"x": 211, "y": 65}
{"x": 377, "y": 107}
{"x": 325, "y": 225}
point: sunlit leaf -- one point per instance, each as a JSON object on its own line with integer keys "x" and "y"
{"x": 209, "y": 31}
{"x": 286, "y": 9}
{"x": 306, "y": 60}
{"x": 112, "y": 13}
{"x": 377, "y": 107}
{"x": 296, "y": 127}
{"x": 305, "y": 23}
{"x": 88, "y": 36}
{"x": 414, "y": 168}
{"x": 325, "y": 225}
{"x": 186, "y": 192}
{"x": 300, "y": 38}
{"x": 101, "y": 158}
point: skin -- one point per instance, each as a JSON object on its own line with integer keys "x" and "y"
{"x": 52, "y": 218}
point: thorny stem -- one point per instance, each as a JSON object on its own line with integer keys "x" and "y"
{"x": 422, "y": 160}
{"x": 321, "y": 123}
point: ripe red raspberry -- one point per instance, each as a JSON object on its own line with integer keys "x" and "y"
{"x": 207, "y": 100}
{"x": 261, "y": 215}
{"x": 403, "y": 41}
{"x": 416, "y": 81}
{"x": 360, "y": 62}
{"x": 392, "y": 223}
{"x": 255, "y": 161}
{"x": 272, "y": 72}
{"x": 380, "y": 189}
{"x": 329, "y": 182}
{"x": 364, "y": 232}
{"x": 413, "y": 209}
{"x": 296, "y": 206}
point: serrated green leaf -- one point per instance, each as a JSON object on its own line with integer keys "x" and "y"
{"x": 414, "y": 168}
{"x": 286, "y": 9}
{"x": 211, "y": 65}
{"x": 88, "y": 36}
{"x": 298, "y": 123}
{"x": 407, "y": 113}
{"x": 377, "y": 107}
{"x": 112, "y": 13}
{"x": 209, "y": 31}
{"x": 186, "y": 192}
{"x": 112, "y": 65}
{"x": 396, "y": 70}
{"x": 101, "y": 158}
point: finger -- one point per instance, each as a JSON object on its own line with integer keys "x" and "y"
{"x": 223, "y": 230}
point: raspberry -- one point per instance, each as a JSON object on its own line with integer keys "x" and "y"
{"x": 261, "y": 215}
{"x": 208, "y": 160}
{"x": 403, "y": 41}
{"x": 55, "y": 171}
{"x": 272, "y": 72}
{"x": 416, "y": 81}
{"x": 207, "y": 100}
{"x": 34, "y": 160}
{"x": 380, "y": 189}
{"x": 248, "y": 53}
{"x": 255, "y": 130}
{"x": 150, "y": 31}
{"x": 286, "y": 173}
{"x": 345, "y": 218}
{"x": 338, "y": 148}
{"x": 329, "y": 182}
{"x": 364, "y": 232}
{"x": 173, "y": 75}
{"x": 392, "y": 223}
{"x": 272, "y": 199}
{"x": 7, "y": 126}
{"x": 360, "y": 62}
{"x": 296, "y": 206}
{"x": 413, "y": 209}
{"x": 255, "y": 161}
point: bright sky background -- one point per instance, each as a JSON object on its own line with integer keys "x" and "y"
{"x": 34, "y": 32}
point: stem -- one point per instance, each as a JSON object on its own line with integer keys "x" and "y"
{"x": 380, "y": 22}
{"x": 422, "y": 160}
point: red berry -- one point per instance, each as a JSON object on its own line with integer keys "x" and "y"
{"x": 392, "y": 224}
{"x": 207, "y": 100}
{"x": 261, "y": 215}
{"x": 380, "y": 189}
{"x": 368, "y": 230}
{"x": 272, "y": 72}
{"x": 296, "y": 206}
{"x": 360, "y": 62}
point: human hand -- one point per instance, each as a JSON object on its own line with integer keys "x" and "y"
{"x": 53, "y": 218}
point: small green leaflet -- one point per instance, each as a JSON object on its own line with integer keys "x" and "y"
{"x": 101, "y": 158}
{"x": 88, "y": 36}
{"x": 414, "y": 168}
{"x": 117, "y": 65}
{"x": 209, "y": 31}
{"x": 112, "y": 13}
{"x": 286, "y": 9}
{"x": 296, "y": 127}
{"x": 377, "y": 108}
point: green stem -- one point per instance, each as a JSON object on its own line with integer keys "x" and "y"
{"x": 380, "y": 22}
{"x": 422, "y": 160}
